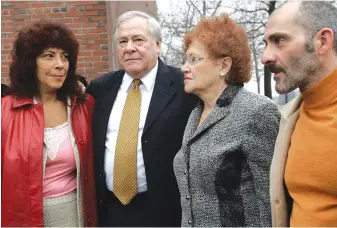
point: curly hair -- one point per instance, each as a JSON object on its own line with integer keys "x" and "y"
{"x": 31, "y": 41}
{"x": 223, "y": 37}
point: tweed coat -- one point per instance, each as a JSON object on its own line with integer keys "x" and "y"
{"x": 223, "y": 166}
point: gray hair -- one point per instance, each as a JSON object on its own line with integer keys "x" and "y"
{"x": 316, "y": 15}
{"x": 153, "y": 24}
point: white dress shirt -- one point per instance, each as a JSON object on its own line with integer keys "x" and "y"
{"x": 146, "y": 88}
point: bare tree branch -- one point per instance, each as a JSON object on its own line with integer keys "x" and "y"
{"x": 195, "y": 7}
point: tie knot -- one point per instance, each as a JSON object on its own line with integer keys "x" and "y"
{"x": 136, "y": 83}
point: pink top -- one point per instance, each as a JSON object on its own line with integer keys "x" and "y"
{"x": 60, "y": 171}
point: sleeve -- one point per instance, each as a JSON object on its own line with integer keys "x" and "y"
{"x": 6, "y": 116}
{"x": 90, "y": 105}
{"x": 261, "y": 136}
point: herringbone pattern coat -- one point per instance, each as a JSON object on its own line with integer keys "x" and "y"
{"x": 223, "y": 166}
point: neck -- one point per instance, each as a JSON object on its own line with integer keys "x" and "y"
{"x": 47, "y": 96}
{"x": 211, "y": 95}
{"x": 327, "y": 68}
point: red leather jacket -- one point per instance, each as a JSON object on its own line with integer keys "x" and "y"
{"x": 22, "y": 127}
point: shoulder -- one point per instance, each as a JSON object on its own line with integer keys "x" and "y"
{"x": 99, "y": 84}
{"x": 88, "y": 103}
{"x": 7, "y": 100}
{"x": 101, "y": 80}
{"x": 255, "y": 104}
{"x": 175, "y": 70}
{"x": 291, "y": 107}
{"x": 175, "y": 73}
{"x": 7, "y": 110}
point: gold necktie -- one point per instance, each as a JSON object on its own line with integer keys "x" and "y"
{"x": 125, "y": 165}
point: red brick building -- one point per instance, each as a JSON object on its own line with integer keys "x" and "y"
{"x": 91, "y": 21}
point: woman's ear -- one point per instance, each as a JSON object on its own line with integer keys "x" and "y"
{"x": 226, "y": 64}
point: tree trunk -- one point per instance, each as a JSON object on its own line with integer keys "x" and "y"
{"x": 267, "y": 73}
{"x": 267, "y": 83}
{"x": 257, "y": 76}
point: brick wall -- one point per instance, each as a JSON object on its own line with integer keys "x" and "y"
{"x": 87, "y": 19}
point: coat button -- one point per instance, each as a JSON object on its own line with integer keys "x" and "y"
{"x": 190, "y": 222}
{"x": 277, "y": 201}
{"x": 89, "y": 220}
{"x": 81, "y": 142}
{"x": 185, "y": 172}
{"x": 145, "y": 141}
{"x": 86, "y": 178}
{"x": 101, "y": 201}
{"x": 188, "y": 197}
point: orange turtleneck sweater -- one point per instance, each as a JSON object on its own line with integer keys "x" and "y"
{"x": 311, "y": 169}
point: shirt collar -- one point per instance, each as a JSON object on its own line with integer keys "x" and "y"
{"x": 35, "y": 101}
{"x": 148, "y": 80}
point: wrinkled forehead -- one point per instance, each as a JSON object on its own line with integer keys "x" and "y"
{"x": 283, "y": 23}
{"x": 136, "y": 25}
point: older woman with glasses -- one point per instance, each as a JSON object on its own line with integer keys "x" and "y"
{"x": 222, "y": 168}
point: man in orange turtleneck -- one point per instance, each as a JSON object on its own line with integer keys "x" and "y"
{"x": 301, "y": 46}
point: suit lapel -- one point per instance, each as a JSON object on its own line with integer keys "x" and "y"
{"x": 220, "y": 111}
{"x": 214, "y": 117}
{"x": 162, "y": 93}
{"x": 192, "y": 132}
{"x": 106, "y": 103}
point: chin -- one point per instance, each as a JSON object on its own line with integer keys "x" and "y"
{"x": 281, "y": 90}
{"x": 56, "y": 86}
{"x": 188, "y": 89}
{"x": 133, "y": 67}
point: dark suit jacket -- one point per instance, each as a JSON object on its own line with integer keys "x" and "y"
{"x": 168, "y": 112}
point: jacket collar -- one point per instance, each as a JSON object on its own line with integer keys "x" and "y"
{"x": 220, "y": 111}
{"x": 20, "y": 102}
{"x": 228, "y": 94}
{"x": 291, "y": 107}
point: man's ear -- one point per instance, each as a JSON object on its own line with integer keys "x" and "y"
{"x": 158, "y": 44}
{"x": 324, "y": 41}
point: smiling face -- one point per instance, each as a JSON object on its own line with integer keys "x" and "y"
{"x": 137, "y": 49}
{"x": 289, "y": 52}
{"x": 52, "y": 68}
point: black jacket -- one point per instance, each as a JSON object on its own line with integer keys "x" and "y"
{"x": 168, "y": 112}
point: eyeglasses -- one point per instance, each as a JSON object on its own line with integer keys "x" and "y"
{"x": 191, "y": 60}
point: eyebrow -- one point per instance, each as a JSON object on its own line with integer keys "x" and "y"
{"x": 133, "y": 36}
{"x": 53, "y": 52}
{"x": 193, "y": 54}
{"x": 276, "y": 35}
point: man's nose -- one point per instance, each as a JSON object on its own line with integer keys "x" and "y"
{"x": 268, "y": 56}
{"x": 130, "y": 46}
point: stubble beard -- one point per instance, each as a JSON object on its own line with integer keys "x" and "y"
{"x": 303, "y": 69}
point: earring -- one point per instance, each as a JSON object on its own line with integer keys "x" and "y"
{"x": 222, "y": 74}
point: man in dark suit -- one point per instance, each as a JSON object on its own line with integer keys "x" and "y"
{"x": 135, "y": 182}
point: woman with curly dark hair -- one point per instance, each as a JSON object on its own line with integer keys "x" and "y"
{"x": 46, "y": 143}
{"x": 223, "y": 166}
